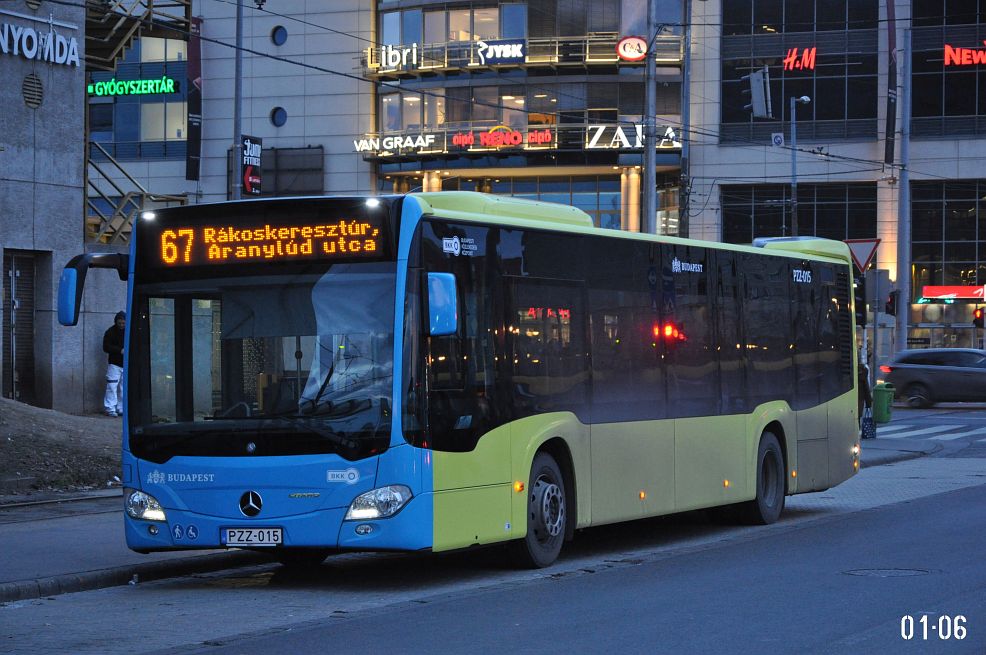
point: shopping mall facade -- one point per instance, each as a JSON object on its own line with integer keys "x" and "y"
{"x": 544, "y": 100}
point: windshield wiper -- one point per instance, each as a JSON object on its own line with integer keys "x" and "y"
{"x": 177, "y": 433}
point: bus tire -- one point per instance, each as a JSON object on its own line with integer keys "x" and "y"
{"x": 547, "y": 515}
{"x": 768, "y": 504}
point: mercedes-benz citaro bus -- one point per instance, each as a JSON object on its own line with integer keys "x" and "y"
{"x": 436, "y": 371}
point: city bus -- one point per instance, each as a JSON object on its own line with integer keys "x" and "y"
{"x": 437, "y": 371}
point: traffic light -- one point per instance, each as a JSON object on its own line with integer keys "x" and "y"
{"x": 859, "y": 301}
{"x": 891, "y": 306}
{"x": 977, "y": 317}
{"x": 759, "y": 93}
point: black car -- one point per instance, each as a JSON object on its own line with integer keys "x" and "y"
{"x": 922, "y": 378}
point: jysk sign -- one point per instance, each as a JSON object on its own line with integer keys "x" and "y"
{"x": 250, "y": 169}
{"x": 491, "y": 53}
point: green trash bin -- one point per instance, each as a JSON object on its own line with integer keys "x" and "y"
{"x": 883, "y": 400}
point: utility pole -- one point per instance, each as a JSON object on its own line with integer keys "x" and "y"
{"x": 904, "y": 204}
{"x": 803, "y": 100}
{"x": 238, "y": 104}
{"x": 685, "y": 124}
{"x": 650, "y": 129}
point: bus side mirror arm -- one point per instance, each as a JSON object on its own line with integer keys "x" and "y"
{"x": 73, "y": 281}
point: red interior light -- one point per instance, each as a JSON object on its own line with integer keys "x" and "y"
{"x": 885, "y": 369}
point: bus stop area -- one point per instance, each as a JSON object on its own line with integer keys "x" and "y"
{"x": 62, "y": 544}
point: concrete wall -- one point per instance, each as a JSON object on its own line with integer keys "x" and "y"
{"x": 41, "y": 198}
{"x": 323, "y": 108}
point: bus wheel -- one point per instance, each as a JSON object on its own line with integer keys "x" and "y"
{"x": 301, "y": 558}
{"x": 769, "y": 503}
{"x": 546, "y": 515}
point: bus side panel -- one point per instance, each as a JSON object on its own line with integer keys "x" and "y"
{"x": 627, "y": 459}
{"x": 474, "y": 501}
{"x": 843, "y": 436}
{"x": 472, "y": 493}
{"x": 812, "y": 462}
{"x": 708, "y": 452}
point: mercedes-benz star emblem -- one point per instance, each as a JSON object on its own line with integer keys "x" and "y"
{"x": 250, "y": 503}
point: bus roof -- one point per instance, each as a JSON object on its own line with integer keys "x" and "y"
{"x": 505, "y": 210}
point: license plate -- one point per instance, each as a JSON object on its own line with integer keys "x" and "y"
{"x": 252, "y": 536}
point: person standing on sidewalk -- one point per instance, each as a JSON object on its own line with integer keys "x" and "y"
{"x": 113, "y": 347}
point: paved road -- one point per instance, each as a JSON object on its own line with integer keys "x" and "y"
{"x": 912, "y": 515}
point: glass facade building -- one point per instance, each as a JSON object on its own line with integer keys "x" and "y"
{"x": 532, "y": 100}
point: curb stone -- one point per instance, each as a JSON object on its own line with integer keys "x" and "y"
{"x": 90, "y": 580}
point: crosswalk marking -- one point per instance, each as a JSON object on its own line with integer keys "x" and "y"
{"x": 914, "y": 433}
{"x": 959, "y": 435}
{"x": 893, "y": 428}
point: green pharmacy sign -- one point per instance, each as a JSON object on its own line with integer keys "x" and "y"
{"x": 115, "y": 87}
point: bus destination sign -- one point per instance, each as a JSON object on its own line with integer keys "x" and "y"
{"x": 198, "y": 245}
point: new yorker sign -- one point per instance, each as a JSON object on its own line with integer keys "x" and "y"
{"x": 38, "y": 44}
{"x": 964, "y": 56}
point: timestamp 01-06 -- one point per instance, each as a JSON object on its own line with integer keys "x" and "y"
{"x": 943, "y": 627}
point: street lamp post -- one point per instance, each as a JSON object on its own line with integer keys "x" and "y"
{"x": 238, "y": 104}
{"x": 803, "y": 100}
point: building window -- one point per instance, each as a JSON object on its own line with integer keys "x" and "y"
{"x": 788, "y": 16}
{"x": 832, "y": 211}
{"x": 943, "y": 86}
{"x": 948, "y": 233}
{"x": 163, "y": 121}
{"x": 459, "y": 25}
{"x": 154, "y": 49}
{"x": 513, "y": 21}
{"x": 486, "y": 24}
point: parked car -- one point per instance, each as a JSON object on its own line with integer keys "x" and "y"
{"x": 922, "y": 378}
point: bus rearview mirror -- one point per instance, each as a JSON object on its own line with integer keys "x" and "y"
{"x": 73, "y": 281}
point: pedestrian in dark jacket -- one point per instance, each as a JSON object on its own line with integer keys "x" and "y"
{"x": 113, "y": 347}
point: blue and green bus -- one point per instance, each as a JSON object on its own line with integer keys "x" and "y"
{"x": 436, "y": 371}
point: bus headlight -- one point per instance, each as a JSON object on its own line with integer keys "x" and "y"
{"x": 379, "y": 503}
{"x": 143, "y": 506}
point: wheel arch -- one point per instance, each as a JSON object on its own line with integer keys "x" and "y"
{"x": 777, "y": 429}
{"x": 559, "y": 450}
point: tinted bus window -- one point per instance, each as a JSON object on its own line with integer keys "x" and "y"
{"x": 767, "y": 316}
{"x": 730, "y": 334}
{"x": 805, "y": 299}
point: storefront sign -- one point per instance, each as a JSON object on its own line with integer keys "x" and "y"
{"x": 250, "y": 169}
{"x": 632, "y": 48}
{"x": 953, "y": 292}
{"x": 501, "y": 52}
{"x": 964, "y": 56}
{"x": 132, "y": 87}
{"x": 625, "y": 137}
{"x": 396, "y": 142}
{"x": 392, "y": 57}
{"x": 29, "y": 43}
{"x": 800, "y": 60}
{"x": 502, "y": 136}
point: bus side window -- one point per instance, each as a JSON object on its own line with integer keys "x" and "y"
{"x": 546, "y": 333}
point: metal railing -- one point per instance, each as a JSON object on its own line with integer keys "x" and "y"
{"x": 106, "y": 181}
{"x": 112, "y": 25}
{"x": 552, "y": 51}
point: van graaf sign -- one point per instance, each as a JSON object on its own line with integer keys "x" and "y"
{"x": 625, "y": 137}
{"x": 395, "y": 143}
{"x": 38, "y": 45}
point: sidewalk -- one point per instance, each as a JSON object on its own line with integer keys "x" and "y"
{"x": 58, "y": 547}
{"x": 77, "y": 544}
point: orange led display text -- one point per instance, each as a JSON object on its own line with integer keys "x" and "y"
{"x": 222, "y": 244}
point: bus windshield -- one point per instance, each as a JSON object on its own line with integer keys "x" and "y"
{"x": 307, "y": 355}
